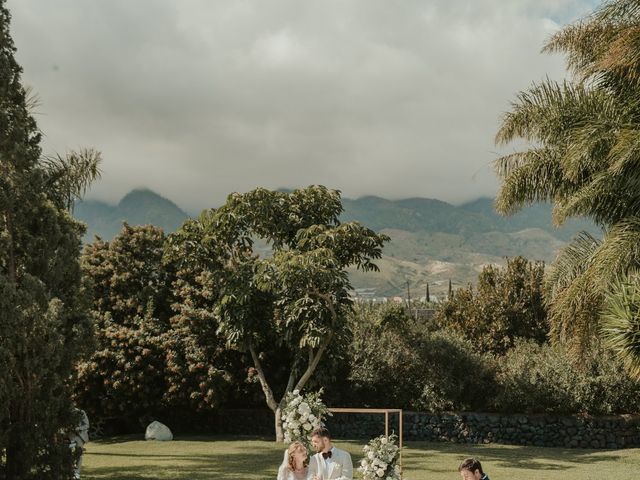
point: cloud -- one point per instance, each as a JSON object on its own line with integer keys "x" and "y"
{"x": 196, "y": 99}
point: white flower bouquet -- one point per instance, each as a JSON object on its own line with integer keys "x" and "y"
{"x": 380, "y": 459}
{"x": 301, "y": 415}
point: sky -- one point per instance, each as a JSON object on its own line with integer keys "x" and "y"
{"x": 196, "y": 99}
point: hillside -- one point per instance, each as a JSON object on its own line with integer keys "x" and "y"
{"x": 431, "y": 241}
{"x": 138, "y": 207}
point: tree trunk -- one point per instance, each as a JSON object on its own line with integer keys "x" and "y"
{"x": 278, "y": 420}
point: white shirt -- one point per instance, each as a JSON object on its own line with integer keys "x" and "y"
{"x": 329, "y": 460}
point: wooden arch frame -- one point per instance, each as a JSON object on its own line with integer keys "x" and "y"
{"x": 386, "y": 412}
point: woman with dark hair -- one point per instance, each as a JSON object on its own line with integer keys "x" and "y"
{"x": 294, "y": 465}
{"x": 471, "y": 469}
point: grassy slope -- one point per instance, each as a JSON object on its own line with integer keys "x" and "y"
{"x": 216, "y": 458}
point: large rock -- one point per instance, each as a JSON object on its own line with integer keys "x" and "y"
{"x": 158, "y": 431}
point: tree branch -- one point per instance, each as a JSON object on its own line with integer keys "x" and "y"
{"x": 292, "y": 375}
{"x": 327, "y": 301}
{"x": 313, "y": 361}
{"x": 268, "y": 393}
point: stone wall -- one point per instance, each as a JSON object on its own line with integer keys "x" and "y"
{"x": 540, "y": 430}
{"x": 621, "y": 431}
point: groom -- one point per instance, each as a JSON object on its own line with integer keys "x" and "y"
{"x": 330, "y": 462}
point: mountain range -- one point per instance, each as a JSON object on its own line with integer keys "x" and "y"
{"x": 431, "y": 241}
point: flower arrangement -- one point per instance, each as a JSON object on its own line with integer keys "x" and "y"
{"x": 380, "y": 458}
{"x": 301, "y": 415}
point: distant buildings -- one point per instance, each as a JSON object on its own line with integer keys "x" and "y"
{"x": 369, "y": 295}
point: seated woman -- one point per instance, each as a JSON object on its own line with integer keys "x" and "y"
{"x": 294, "y": 466}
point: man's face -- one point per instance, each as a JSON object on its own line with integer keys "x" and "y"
{"x": 469, "y": 475}
{"x": 318, "y": 443}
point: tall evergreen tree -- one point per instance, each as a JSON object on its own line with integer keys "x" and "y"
{"x": 43, "y": 325}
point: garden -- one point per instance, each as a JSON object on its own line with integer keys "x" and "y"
{"x": 240, "y": 331}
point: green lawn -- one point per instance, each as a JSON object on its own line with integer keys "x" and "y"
{"x": 217, "y": 458}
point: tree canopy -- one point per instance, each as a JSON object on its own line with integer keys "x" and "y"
{"x": 583, "y": 155}
{"x": 149, "y": 357}
{"x": 295, "y": 290}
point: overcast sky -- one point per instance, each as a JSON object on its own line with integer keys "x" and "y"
{"x": 197, "y": 98}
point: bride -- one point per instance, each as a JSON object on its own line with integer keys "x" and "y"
{"x": 294, "y": 465}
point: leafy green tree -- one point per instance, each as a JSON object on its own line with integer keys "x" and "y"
{"x": 506, "y": 305}
{"x": 43, "y": 322}
{"x": 145, "y": 361}
{"x": 584, "y": 140}
{"x": 296, "y": 294}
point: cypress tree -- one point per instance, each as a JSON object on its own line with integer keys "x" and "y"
{"x": 43, "y": 324}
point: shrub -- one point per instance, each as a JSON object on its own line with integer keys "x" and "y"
{"x": 542, "y": 379}
{"x": 536, "y": 379}
{"x": 397, "y": 362}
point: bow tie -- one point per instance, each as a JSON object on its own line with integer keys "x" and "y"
{"x": 326, "y": 455}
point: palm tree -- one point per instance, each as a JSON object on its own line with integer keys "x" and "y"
{"x": 621, "y": 321}
{"x": 583, "y": 156}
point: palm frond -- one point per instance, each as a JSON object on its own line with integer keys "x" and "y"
{"x": 603, "y": 199}
{"x": 571, "y": 262}
{"x": 538, "y": 180}
{"x": 581, "y": 277}
{"x": 620, "y": 327}
{"x": 31, "y": 99}
{"x": 619, "y": 251}
{"x": 573, "y": 315}
{"x": 624, "y": 156}
{"x": 69, "y": 177}
{"x": 583, "y": 43}
{"x": 506, "y": 164}
{"x": 605, "y": 41}
{"x": 549, "y": 111}
{"x": 589, "y": 146}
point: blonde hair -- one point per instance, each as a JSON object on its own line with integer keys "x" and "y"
{"x": 293, "y": 448}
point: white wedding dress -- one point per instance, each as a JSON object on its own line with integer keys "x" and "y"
{"x": 285, "y": 473}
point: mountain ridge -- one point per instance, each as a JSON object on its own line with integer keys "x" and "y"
{"x": 431, "y": 240}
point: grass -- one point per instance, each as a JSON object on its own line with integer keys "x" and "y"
{"x": 218, "y": 458}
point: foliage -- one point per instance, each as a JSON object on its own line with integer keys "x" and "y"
{"x": 301, "y": 415}
{"x": 43, "y": 322}
{"x": 621, "y": 321}
{"x": 380, "y": 460}
{"x": 584, "y": 159}
{"x": 507, "y": 305}
{"x": 457, "y": 374}
{"x": 383, "y": 350}
{"x": 542, "y": 379}
{"x": 147, "y": 359}
{"x": 298, "y": 295}
{"x": 395, "y": 361}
